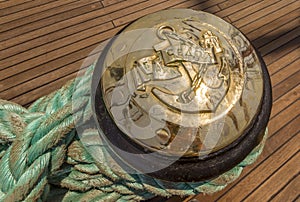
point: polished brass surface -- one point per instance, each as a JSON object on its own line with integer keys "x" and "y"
{"x": 182, "y": 82}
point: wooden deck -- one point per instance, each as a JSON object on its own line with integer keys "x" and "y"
{"x": 44, "y": 42}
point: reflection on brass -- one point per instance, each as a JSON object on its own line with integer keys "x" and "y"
{"x": 182, "y": 82}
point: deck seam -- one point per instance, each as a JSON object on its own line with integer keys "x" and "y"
{"x": 45, "y": 18}
{"x": 291, "y": 180}
{"x": 61, "y": 55}
{"x": 255, "y": 167}
{"x": 14, "y": 19}
{"x": 86, "y": 20}
{"x": 45, "y": 26}
{"x": 288, "y": 63}
{"x": 56, "y": 40}
{"x": 264, "y": 16}
{"x": 282, "y": 81}
{"x": 6, "y": 1}
{"x": 44, "y": 3}
{"x": 259, "y": 9}
{"x": 253, "y": 190}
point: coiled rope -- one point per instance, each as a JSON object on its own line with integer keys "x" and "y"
{"x": 40, "y": 149}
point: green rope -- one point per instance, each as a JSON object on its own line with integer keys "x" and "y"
{"x": 40, "y": 150}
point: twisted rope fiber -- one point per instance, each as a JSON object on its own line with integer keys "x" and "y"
{"x": 40, "y": 148}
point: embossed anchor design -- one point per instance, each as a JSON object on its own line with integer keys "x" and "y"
{"x": 202, "y": 61}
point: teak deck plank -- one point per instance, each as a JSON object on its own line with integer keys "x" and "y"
{"x": 269, "y": 18}
{"x": 128, "y": 18}
{"x": 87, "y": 18}
{"x": 264, "y": 12}
{"x": 277, "y": 181}
{"x": 254, "y": 9}
{"x": 229, "y": 3}
{"x": 280, "y": 41}
{"x": 141, "y": 6}
{"x": 49, "y": 21}
{"x": 46, "y": 49}
{"x": 188, "y": 4}
{"x": 284, "y": 61}
{"x": 156, "y": 7}
{"x": 28, "y": 12}
{"x": 56, "y": 54}
{"x": 285, "y": 72}
{"x": 273, "y": 25}
{"x": 259, "y": 42}
{"x": 53, "y": 36}
{"x": 235, "y": 8}
{"x": 10, "y": 7}
{"x": 43, "y": 43}
{"x": 62, "y": 62}
{"x": 285, "y": 100}
{"x": 35, "y": 94}
{"x": 290, "y": 192}
{"x": 287, "y": 85}
{"x": 55, "y": 45}
{"x": 211, "y": 7}
{"x": 7, "y": 4}
{"x": 282, "y": 51}
{"x": 288, "y": 114}
{"x": 110, "y": 2}
{"x": 40, "y": 76}
{"x": 206, "y": 8}
{"x": 47, "y": 16}
{"x": 275, "y": 141}
{"x": 263, "y": 171}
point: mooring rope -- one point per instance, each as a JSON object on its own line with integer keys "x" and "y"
{"x": 40, "y": 149}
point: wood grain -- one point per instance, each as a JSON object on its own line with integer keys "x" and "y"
{"x": 43, "y": 43}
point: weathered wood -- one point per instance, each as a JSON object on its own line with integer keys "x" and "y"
{"x": 8, "y": 7}
{"x": 43, "y": 23}
{"x": 285, "y": 100}
{"x": 101, "y": 15}
{"x": 287, "y": 85}
{"x": 285, "y": 72}
{"x": 277, "y": 181}
{"x": 268, "y": 18}
{"x": 290, "y": 192}
{"x": 235, "y": 8}
{"x": 263, "y": 171}
{"x": 30, "y": 11}
{"x": 56, "y": 46}
{"x": 278, "y": 42}
{"x": 267, "y": 9}
{"x": 251, "y": 11}
{"x": 292, "y": 24}
{"x": 229, "y": 3}
{"x": 282, "y": 51}
{"x": 284, "y": 61}
{"x": 110, "y": 2}
{"x": 55, "y": 54}
{"x": 189, "y": 3}
{"x": 29, "y": 97}
{"x": 43, "y": 43}
{"x": 281, "y": 119}
{"x": 49, "y": 16}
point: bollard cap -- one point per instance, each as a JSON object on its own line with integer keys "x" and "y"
{"x": 180, "y": 83}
